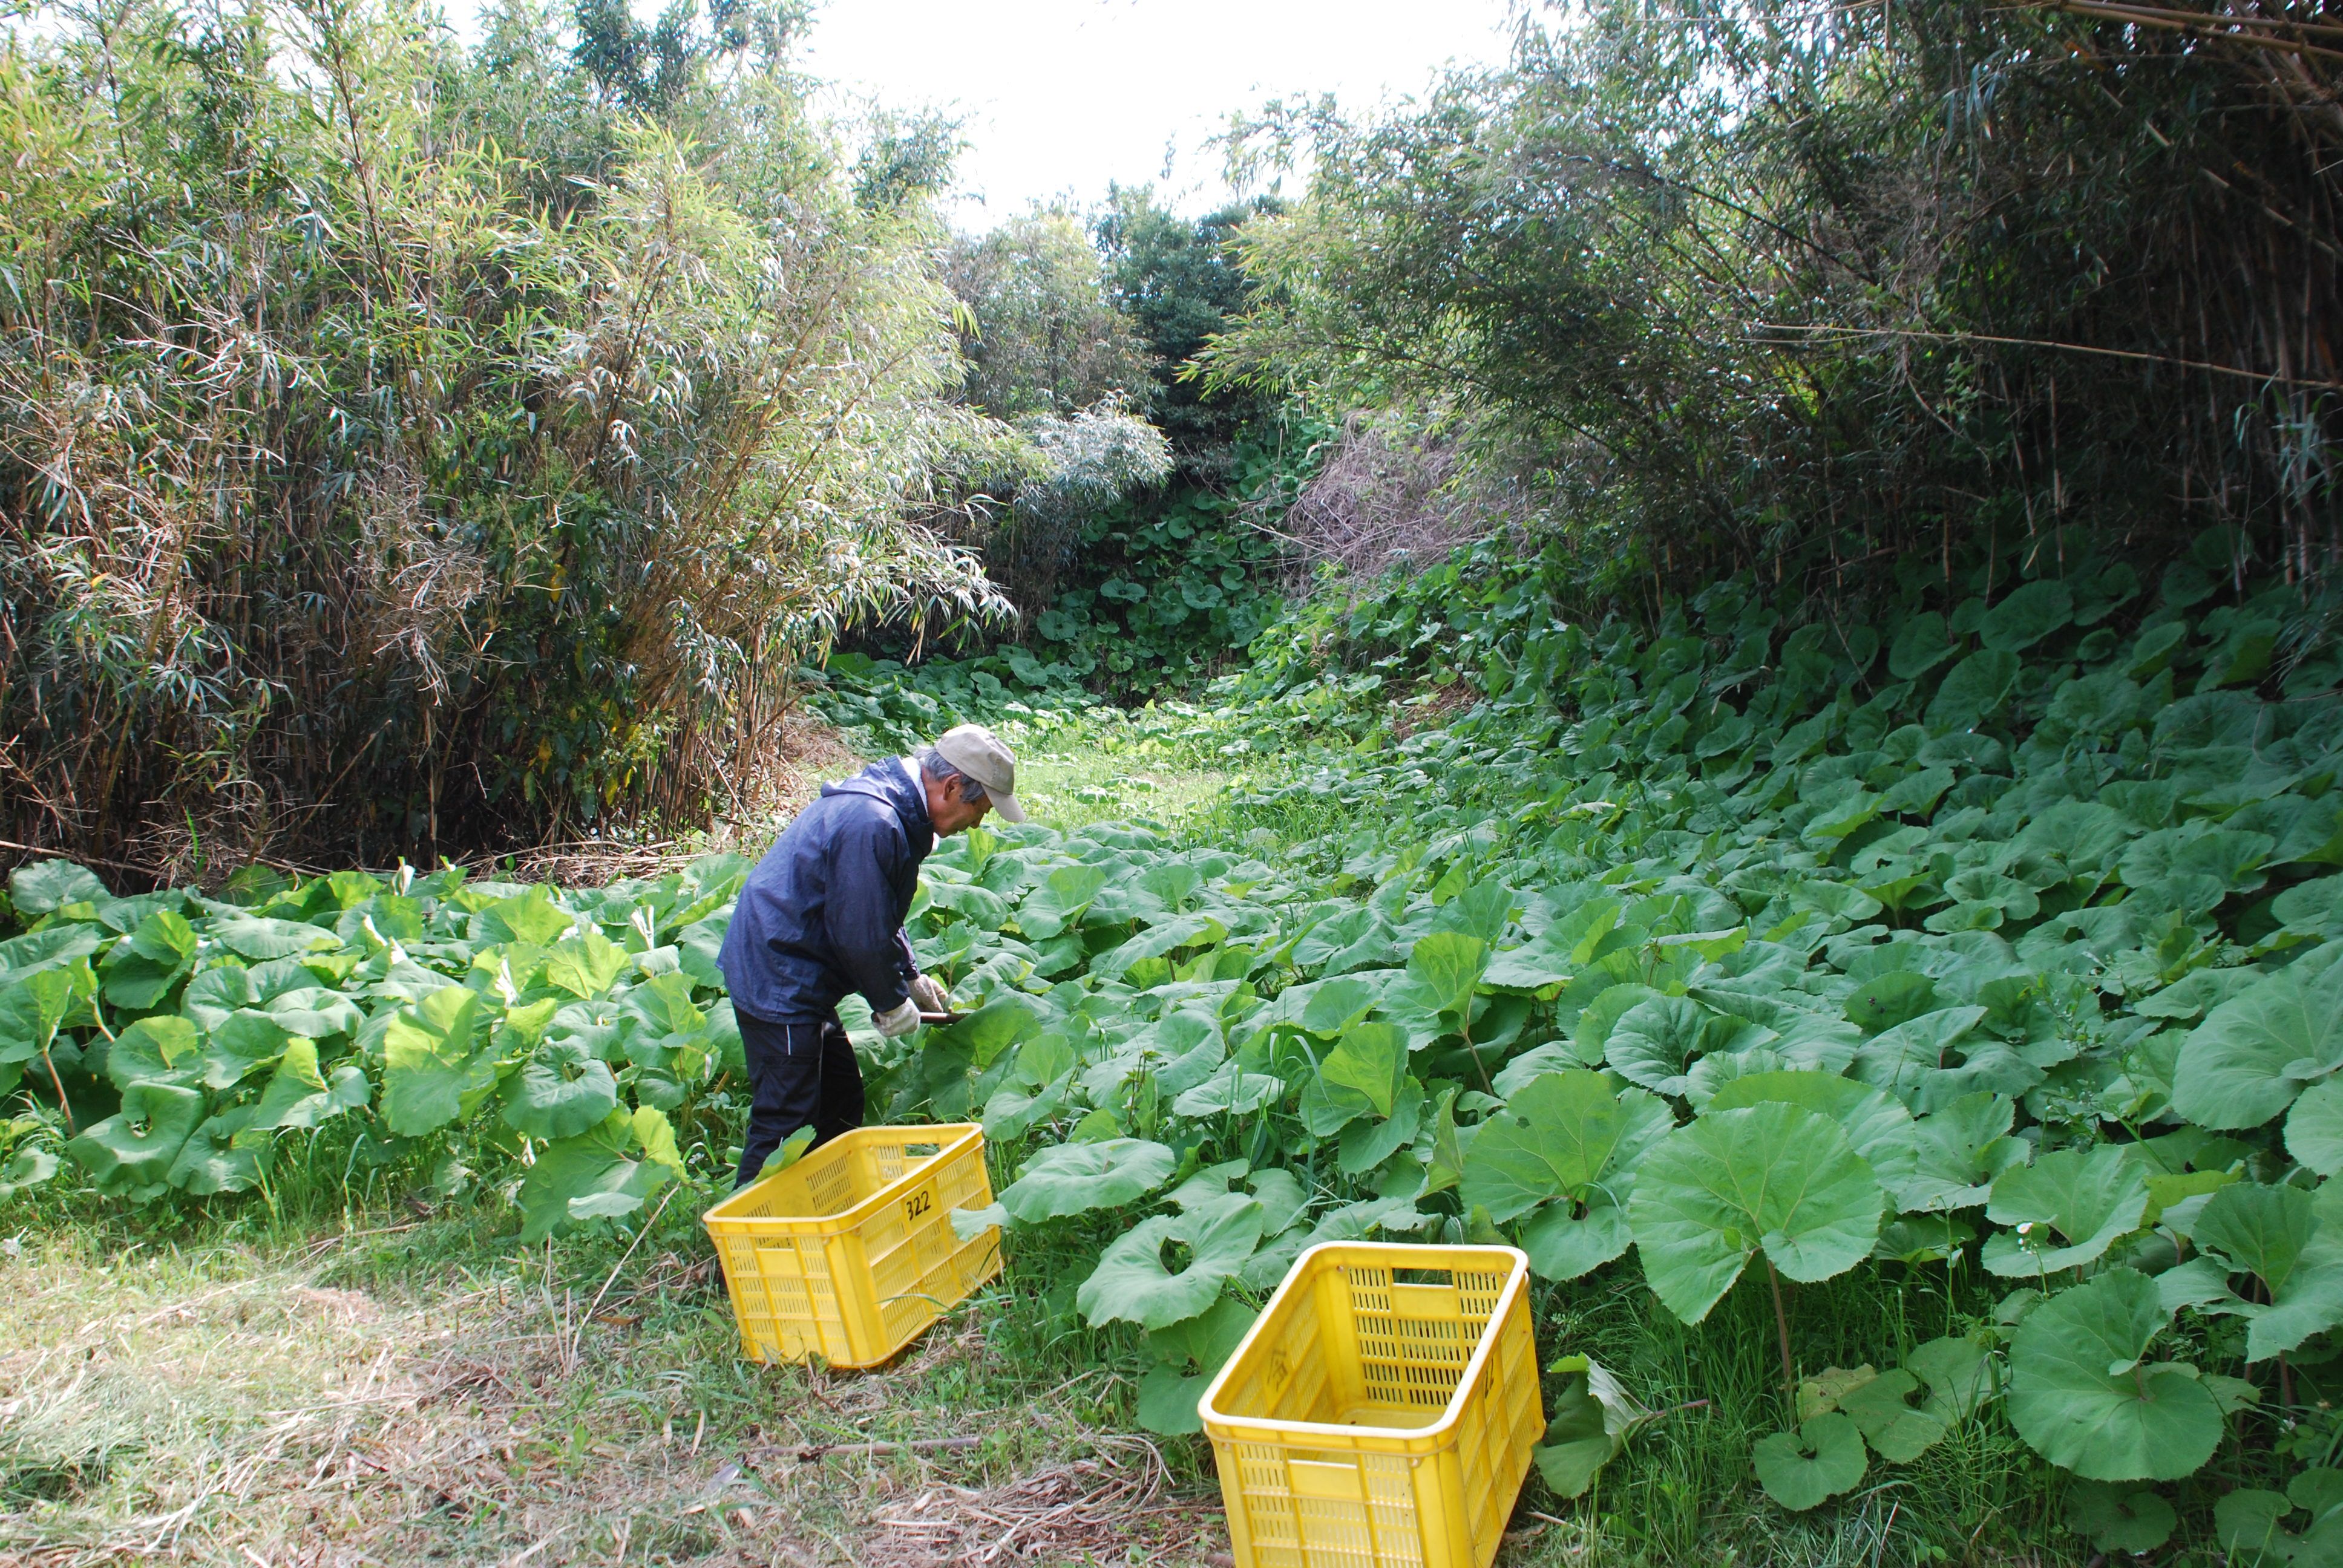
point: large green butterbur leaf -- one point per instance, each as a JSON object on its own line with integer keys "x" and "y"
{"x": 2253, "y": 1054}
{"x": 151, "y": 961}
{"x": 1656, "y": 1041}
{"x": 2292, "y": 1242}
{"x": 585, "y": 964}
{"x": 2073, "y": 1203}
{"x": 1898, "y": 1429}
{"x": 1448, "y": 965}
{"x": 226, "y": 1153}
{"x": 1974, "y": 689}
{"x": 604, "y": 1174}
{"x": 2026, "y": 616}
{"x": 532, "y": 918}
{"x": 1192, "y": 1352}
{"x": 1060, "y": 900}
{"x": 130, "y": 1153}
{"x": 1561, "y": 1136}
{"x": 261, "y": 938}
{"x": 166, "y": 1047}
{"x": 1076, "y": 1178}
{"x": 1921, "y": 644}
{"x": 1878, "y": 1126}
{"x": 2082, "y": 1394}
{"x": 560, "y": 1092}
{"x": 1773, "y": 1177}
{"x": 1802, "y": 1469}
{"x": 2313, "y": 1128}
{"x": 1370, "y": 1060}
{"x": 2119, "y": 1518}
{"x": 34, "y": 1007}
{"x": 433, "y": 1059}
{"x": 300, "y": 1095}
{"x": 1133, "y": 1284}
{"x": 2255, "y": 1525}
{"x": 1961, "y": 1149}
{"x": 48, "y": 886}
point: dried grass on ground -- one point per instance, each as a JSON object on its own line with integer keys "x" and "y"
{"x": 346, "y": 1405}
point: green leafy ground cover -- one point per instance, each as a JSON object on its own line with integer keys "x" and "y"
{"x": 1923, "y": 1051}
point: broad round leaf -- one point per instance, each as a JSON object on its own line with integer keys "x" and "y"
{"x": 1809, "y": 1466}
{"x": 595, "y": 1175}
{"x": 165, "y": 1048}
{"x": 1558, "y": 1137}
{"x": 132, "y": 1150}
{"x": 2026, "y": 616}
{"x": 1776, "y": 1176}
{"x": 1076, "y": 1178}
{"x": 1656, "y": 1040}
{"x": 1567, "y": 1238}
{"x": 2255, "y": 1052}
{"x": 1449, "y": 965}
{"x": 1962, "y": 1148}
{"x": 1229, "y": 1092}
{"x": 215, "y": 1159}
{"x": 430, "y": 1064}
{"x": 2313, "y": 1128}
{"x": 2087, "y": 1197}
{"x": 1960, "y": 1374}
{"x": 1193, "y": 1351}
{"x": 1973, "y": 690}
{"x": 300, "y": 1095}
{"x": 1371, "y": 1059}
{"x": 2081, "y": 1396}
{"x": 2261, "y": 1228}
{"x": 1921, "y": 644}
{"x": 1133, "y": 1284}
{"x": 1877, "y": 1125}
{"x": 48, "y": 886}
{"x": 2119, "y": 1518}
{"x": 1898, "y": 1431}
{"x": 560, "y": 1092}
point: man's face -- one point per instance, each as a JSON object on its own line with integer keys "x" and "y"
{"x": 948, "y": 811}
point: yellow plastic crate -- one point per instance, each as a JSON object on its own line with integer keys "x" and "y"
{"x": 849, "y": 1253}
{"x": 1379, "y": 1413}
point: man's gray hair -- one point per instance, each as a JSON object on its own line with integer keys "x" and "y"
{"x": 933, "y": 766}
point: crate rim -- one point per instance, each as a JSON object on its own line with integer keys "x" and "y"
{"x": 1516, "y": 1283}
{"x": 962, "y": 1131}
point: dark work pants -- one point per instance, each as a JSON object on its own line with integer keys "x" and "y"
{"x": 803, "y": 1074}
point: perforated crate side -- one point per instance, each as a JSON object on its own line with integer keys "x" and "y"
{"x": 855, "y": 1288}
{"x": 1351, "y": 1335}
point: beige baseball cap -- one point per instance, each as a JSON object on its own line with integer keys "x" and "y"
{"x": 978, "y": 753}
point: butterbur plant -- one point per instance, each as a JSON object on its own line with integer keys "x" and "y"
{"x": 1602, "y": 968}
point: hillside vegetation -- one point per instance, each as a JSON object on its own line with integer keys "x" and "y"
{"x": 1950, "y": 1022}
{"x": 1713, "y": 655}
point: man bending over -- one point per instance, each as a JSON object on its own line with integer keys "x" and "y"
{"x": 822, "y": 914}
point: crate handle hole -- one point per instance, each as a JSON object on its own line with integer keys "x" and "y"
{"x": 1423, "y": 1276}
{"x": 921, "y": 1150}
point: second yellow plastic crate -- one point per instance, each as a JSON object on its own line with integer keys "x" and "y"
{"x": 849, "y": 1253}
{"x": 1379, "y": 1413}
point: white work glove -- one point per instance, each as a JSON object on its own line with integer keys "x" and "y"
{"x": 931, "y": 997}
{"x": 899, "y": 1021}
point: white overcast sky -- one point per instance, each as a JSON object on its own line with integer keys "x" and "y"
{"x": 1059, "y": 97}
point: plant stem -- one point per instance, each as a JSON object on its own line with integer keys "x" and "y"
{"x": 1473, "y": 1050}
{"x": 60, "y": 1084}
{"x": 1782, "y": 1327}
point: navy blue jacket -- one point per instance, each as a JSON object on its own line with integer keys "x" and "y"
{"x": 822, "y": 914}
